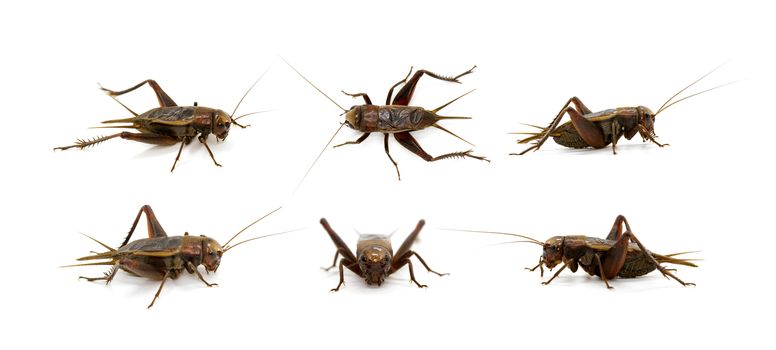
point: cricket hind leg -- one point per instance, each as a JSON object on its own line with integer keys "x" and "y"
{"x": 107, "y": 276}
{"x": 590, "y": 133}
{"x": 161, "y": 96}
{"x": 154, "y": 227}
{"x": 615, "y": 258}
{"x": 404, "y": 96}
{"x": 409, "y": 142}
{"x": 132, "y": 136}
{"x": 390, "y": 91}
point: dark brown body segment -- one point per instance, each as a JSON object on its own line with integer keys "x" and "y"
{"x": 393, "y": 119}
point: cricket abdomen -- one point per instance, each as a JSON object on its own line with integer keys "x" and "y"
{"x": 566, "y": 135}
{"x": 393, "y": 119}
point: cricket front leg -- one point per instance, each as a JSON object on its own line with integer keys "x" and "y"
{"x": 193, "y": 268}
{"x": 409, "y": 142}
{"x": 161, "y": 96}
{"x": 404, "y": 96}
{"x": 203, "y": 139}
{"x": 538, "y": 266}
{"x": 360, "y": 94}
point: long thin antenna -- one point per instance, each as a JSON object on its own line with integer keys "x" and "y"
{"x": 249, "y": 90}
{"x": 688, "y": 86}
{"x": 695, "y": 94}
{"x": 316, "y": 159}
{"x": 497, "y": 233}
{"x": 311, "y": 84}
{"x": 251, "y": 224}
{"x": 260, "y": 237}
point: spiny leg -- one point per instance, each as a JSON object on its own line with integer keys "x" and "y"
{"x": 404, "y": 96}
{"x": 390, "y": 91}
{"x": 601, "y": 271}
{"x": 554, "y": 123}
{"x": 630, "y": 236}
{"x": 555, "y": 275}
{"x": 164, "y": 278}
{"x": 164, "y": 99}
{"x": 357, "y": 141}
{"x": 154, "y": 227}
{"x": 107, "y": 276}
{"x": 139, "y": 137}
{"x": 360, "y": 94}
{"x": 201, "y": 278}
{"x": 409, "y": 142}
{"x": 203, "y": 139}
{"x": 396, "y": 165}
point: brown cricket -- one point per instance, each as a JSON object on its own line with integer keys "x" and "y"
{"x": 621, "y": 254}
{"x": 374, "y": 259}
{"x": 599, "y": 129}
{"x": 160, "y": 257}
{"x": 169, "y": 124}
{"x": 398, "y": 118}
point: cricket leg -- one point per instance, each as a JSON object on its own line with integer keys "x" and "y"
{"x": 649, "y": 136}
{"x": 412, "y": 276}
{"x": 615, "y": 130}
{"x": 357, "y": 141}
{"x": 601, "y": 269}
{"x": 132, "y": 136}
{"x": 193, "y": 268}
{"x": 629, "y": 236}
{"x": 409, "y": 142}
{"x": 341, "y": 276}
{"x": 390, "y": 91}
{"x": 396, "y": 165}
{"x": 342, "y": 248}
{"x": 154, "y": 227}
{"x": 108, "y": 276}
{"x": 538, "y": 266}
{"x": 203, "y": 139}
{"x": 555, "y": 275}
{"x": 166, "y": 275}
{"x": 425, "y": 264}
{"x": 164, "y": 99}
{"x": 360, "y": 94}
{"x": 404, "y": 96}
{"x": 592, "y": 135}
{"x": 333, "y": 263}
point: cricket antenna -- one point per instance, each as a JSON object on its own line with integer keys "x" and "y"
{"x": 251, "y": 224}
{"x": 668, "y": 104}
{"x": 316, "y": 158}
{"x": 313, "y": 85}
{"x": 226, "y": 248}
{"x": 243, "y": 97}
{"x": 530, "y": 240}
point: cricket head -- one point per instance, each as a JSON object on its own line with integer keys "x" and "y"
{"x": 375, "y": 262}
{"x": 353, "y": 117}
{"x": 646, "y": 122}
{"x": 553, "y": 251}
{"x": 220, "y": 124}
{"x": 211, "y": 254}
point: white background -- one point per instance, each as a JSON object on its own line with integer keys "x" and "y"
{"x": 711, "y": 190}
